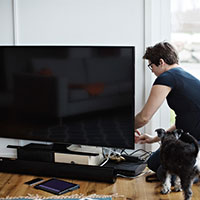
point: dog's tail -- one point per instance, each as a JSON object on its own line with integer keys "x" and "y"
{"x": 186, "y": 137}
{"x": 180, "y": 134}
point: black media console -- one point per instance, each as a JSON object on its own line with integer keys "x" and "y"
{"x": 38, "y": 159}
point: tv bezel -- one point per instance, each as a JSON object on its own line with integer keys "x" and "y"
{"x": 87, "y": 46}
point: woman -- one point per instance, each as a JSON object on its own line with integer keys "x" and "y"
{"x": 182, "y": 91}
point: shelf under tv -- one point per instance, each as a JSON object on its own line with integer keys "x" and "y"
{"x": 62, "y": 170}
{"x": 38, "y": 159}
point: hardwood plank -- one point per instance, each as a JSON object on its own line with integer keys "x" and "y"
{"x": 132, "y": 189}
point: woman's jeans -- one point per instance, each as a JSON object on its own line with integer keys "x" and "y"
{"x": 154, "y": 164}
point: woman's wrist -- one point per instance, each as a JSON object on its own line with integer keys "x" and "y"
{"x": 156, "y": 139}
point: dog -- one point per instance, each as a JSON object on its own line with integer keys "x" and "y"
{"x": 179, "y": 155}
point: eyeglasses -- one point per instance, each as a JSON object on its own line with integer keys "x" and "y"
{"x": 149, "y": 66}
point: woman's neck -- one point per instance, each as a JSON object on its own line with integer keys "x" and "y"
{"x": 171, "y": 66}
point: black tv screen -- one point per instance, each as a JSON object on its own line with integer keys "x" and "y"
{"x": 68, "y": 94}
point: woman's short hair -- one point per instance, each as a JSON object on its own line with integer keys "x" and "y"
{"x": 162, "y": 50}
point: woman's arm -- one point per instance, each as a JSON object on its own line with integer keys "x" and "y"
{"x": 157, "y": 96}
{"x": 146, "y": 138}
{"x": 143, "y": 139}
{"x": 172, "y": 128}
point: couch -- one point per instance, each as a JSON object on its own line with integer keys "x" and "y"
{"x": 65, "y": 87}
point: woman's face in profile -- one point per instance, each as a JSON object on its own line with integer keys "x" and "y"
{"x": 153, "y": 68}
{"x": 157, "y": 70}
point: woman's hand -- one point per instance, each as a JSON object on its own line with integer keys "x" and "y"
{"x": 143, "y": 139}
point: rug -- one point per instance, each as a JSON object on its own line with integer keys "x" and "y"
{"x": 28, "y": 198}
{"x": 72, "y": 197}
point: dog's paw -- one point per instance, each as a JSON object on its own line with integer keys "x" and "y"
{"x": 177, "y": 188}
{"x": 165, "y": 190}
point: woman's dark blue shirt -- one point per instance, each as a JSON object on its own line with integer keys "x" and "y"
{"x": 184, "y": 99}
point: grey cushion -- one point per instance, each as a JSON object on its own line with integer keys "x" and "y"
{"x": 110, "y": 89}
{"x": 108, "y": 70}
{"x": 78, "y": 95}
{"x": 125, "y": 87}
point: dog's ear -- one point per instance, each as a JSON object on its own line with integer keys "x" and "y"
{"x": 186, "y": 137}
{"x": 160, "y": 132}
{"x": 177, "y": 133}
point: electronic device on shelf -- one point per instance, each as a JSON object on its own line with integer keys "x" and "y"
{"x": 68, "y": 95}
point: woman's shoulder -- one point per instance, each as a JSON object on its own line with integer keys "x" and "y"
{"x": 169, "y": 77}
{"x": 176, "y": 77}
{"x": 180, "y": 73}
{"x": 172, "y": 73}
{"x": 177, "y": 69}
{"x": 166, "y": 78}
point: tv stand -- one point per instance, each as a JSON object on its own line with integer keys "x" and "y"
{"x": 38, "y": 159}
{"x": 71, "y": 171}
{"x": 60, "y": 153}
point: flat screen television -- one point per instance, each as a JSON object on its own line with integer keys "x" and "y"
{"x": 68, "y": 94}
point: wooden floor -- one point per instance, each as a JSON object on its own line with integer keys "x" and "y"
{"x": 137, "y": 189}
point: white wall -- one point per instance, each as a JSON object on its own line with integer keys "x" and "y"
{"x": 157, "y": 28}
{"x": 81, "y": 22}
{"x": 6, "y": 22}
{"x": 78, "y": 22}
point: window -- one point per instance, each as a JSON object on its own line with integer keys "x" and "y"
{"x": 185, "y": 35}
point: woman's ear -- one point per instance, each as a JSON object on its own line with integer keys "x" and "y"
{"x": 161, "y": 62}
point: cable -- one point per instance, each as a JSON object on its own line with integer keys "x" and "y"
{"x": 112, "y": 154}
{"x": 121, "y": 155}
{"x": 104, "y": 155}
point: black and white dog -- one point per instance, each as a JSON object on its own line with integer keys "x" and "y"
{"x": 179, "y": 154}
